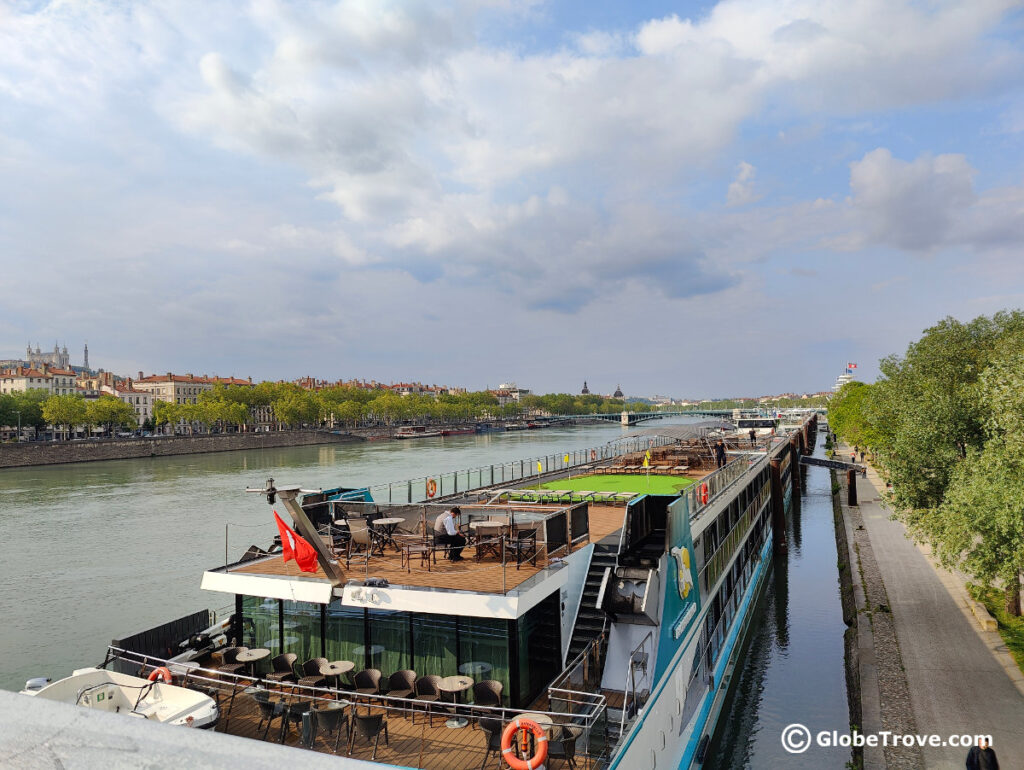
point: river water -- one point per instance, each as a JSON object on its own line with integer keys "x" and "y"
{"x": 792, "y": 669}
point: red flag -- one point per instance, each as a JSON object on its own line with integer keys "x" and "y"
{"x": 295, "y": 547}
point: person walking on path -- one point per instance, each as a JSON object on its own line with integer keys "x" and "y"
{"x": 753, "y": 437}
{"x": 982, "y": 757}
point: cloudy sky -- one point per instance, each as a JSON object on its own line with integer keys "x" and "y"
{"x": 688, "y": 198}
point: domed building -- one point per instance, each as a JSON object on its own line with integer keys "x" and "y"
{"x": 618, "y": 392}
{"x": 586, "y": 390}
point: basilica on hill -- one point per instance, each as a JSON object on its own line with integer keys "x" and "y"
{"x": 59, "y": 358}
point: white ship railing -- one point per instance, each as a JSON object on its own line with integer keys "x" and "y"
{"x": 585, "y": 714}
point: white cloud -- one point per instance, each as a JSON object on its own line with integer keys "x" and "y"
{"x": 741, "y": 189}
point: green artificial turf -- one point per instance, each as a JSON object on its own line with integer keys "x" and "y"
{"x": 622, "y": 482}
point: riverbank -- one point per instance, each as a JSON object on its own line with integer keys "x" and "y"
{"x": 31, "y": 453}
{"x": 925, "y": 665}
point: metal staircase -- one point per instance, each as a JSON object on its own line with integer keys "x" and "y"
{"x": 589, "y": 619}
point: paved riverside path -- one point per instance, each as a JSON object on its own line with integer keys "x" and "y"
{"x": 961, "y": 678}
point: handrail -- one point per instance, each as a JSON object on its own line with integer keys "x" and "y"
{"x": 631, "y": 679}
{"x": 595, "y": 703}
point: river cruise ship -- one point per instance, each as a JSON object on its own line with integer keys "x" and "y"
{"x": 592, "y": 619}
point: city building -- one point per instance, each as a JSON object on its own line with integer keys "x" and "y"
{"x": 140, "y": 400}
{"x": 55, "y": 381}
{"x": 586, "y": 390}
{"x": 514, "y": 391}
{"x": 182, "y": 388}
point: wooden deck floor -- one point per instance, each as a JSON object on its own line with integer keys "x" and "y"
{"x": 469, "y": 574}
{"x": 409, "y": 745}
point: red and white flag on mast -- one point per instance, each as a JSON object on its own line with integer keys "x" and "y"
{"x": 295, "y": 547}
{"x": 851, "y": 366}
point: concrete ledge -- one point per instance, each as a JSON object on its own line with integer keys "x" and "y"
{"x": 985, "y": 619}
{"x": 58, "y": 452}
{"x": 43, "y": 734}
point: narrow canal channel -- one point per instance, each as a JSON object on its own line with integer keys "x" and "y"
{"x": 792, "y": 670}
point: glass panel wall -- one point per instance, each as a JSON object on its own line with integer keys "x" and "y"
{"x": 539, "y": 639}
{"x": 346, "y": 632}
{"x": 483, "y": 651}
{"x": 302, "y": 630}
{"x": 259, "y": 623}
{"x": 389, "y": 642}
{"x": 433, "y": 640}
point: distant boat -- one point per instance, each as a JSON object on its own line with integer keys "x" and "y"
{"x": 416, "y": 431}
{"x": 457, "y": 431}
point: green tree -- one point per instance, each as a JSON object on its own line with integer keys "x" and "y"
{"x": 110, "y": 412}
{"x": 66, "y": 410}
{"x": 166, "y": 413}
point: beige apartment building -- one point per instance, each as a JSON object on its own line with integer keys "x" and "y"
{"x": 182, "y": 388}
{"x": 55, "y": 381}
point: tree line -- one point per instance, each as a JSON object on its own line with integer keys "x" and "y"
{"x": 945, "y": 424}
{"x": 289, "y": 405}
{"x": 35, "y": 409}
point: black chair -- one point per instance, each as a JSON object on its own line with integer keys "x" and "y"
{"x": 229, "y": 656}
{"x": 524, "y": 546}
{"x": 293, "y": 714}
{"x": 402, "y": 684}
{"x": 269, "y": 710}
{"x": 436, "y": 545}
{"x": 428, "y": 691}
{"x": 492, "y": 729}
{"x": 330, "y": 718}
{"x": 563, "y": 744}
{"x": 487, "y": 693}
{"x": 283, "y": 666}
{"x": 369, "y": 726}
{"x": 312, "y": 673}
{"x": 367, "y": 681}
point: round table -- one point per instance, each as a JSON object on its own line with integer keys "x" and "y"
{"x": 251, "y": 657}
{"x": 476, "y": 669}
{"x": 541, "y": 719}
{"x": 455, "y": 686}
{"x": 387, "y": 527}
{"x": 337, "y": 669}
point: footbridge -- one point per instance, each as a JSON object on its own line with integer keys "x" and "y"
{"x": 633, "y": 418}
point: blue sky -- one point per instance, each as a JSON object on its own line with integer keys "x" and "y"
{"x": 686, "y": 198}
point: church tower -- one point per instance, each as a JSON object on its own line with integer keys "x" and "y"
{"x": 586, "y": 390}
{"x": 85, "y": 363}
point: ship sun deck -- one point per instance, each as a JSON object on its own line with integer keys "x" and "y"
{"x": 486, "y": 574}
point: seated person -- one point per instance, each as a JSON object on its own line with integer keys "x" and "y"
{"x": 446, "y": 533}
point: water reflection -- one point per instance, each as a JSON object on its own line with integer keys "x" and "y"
{"x": 792, "y": 669}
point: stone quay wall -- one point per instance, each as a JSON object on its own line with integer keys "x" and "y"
{"x": 56, "y": 452}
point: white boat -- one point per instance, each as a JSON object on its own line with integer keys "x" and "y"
{"x": 416, "y": 431}
{"x": 102, "y": 690}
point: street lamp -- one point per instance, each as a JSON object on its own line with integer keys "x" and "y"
{"x": 19, "y": 424}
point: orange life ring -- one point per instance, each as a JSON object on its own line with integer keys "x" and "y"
{"x": 163, "y": 673}
{"x": 431, "y": 487}
{"x": 593, "y": 455}
{"x": 508, "y": 736}
{"x": 704, "y": 494}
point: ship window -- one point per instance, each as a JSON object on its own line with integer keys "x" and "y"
{"x": 539, "y": 653}
{"x": 389, "y": 642}
{"x": 483, "y": 642}
{"x": 434, "y": 644}
{"x": 259, "y": 621}
{"x": 346, "y": 631}
{"x": 302, "y": 629}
